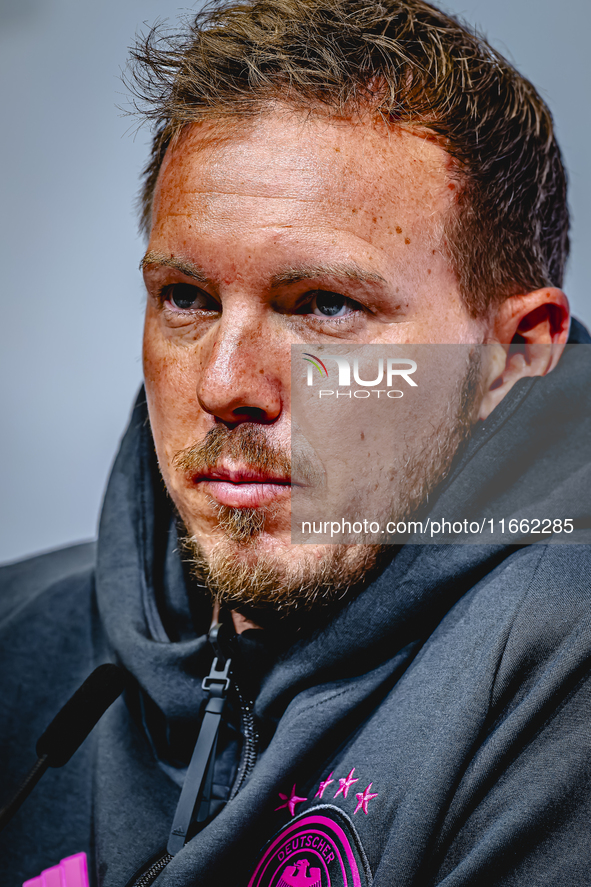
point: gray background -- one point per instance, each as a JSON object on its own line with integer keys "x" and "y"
{"x": 71, "y": 298}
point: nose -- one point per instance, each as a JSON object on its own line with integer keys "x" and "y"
{"x": 241, "y": 374}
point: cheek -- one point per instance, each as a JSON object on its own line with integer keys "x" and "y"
{"x": 170, "y": 381}
{"x": 167, "y": 367}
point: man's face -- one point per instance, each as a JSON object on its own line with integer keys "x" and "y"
{"x": 295, "y": 230}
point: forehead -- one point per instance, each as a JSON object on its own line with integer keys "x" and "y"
{"x": 302, "y": 182}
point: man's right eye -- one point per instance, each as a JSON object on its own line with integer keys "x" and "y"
{"x": 185, "y": 297}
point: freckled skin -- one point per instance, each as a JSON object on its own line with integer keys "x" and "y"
{"x": 289, "y": 191}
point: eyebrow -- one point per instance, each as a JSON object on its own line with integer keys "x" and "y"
{"x": 189, "y": 268}
{"x": 349, "y": 271}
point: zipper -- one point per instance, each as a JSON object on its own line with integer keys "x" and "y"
{"x": 250, "y": 747}
{"x": 149, "y": 876}
{"x": 248, "y": 759}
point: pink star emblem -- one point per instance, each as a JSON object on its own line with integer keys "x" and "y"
{"x": 291, "y": 801}
{"x": 364, "y": 799}
{"x": 346, "y": 783}
{"x": 324, "y": 785}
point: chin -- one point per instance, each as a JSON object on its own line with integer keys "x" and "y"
{"x": 268, "y": 572}
{"x": 243, "y": 530}
{"x": 257, "y": 547}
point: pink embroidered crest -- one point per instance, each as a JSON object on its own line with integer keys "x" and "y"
{"x": 319, "y": 848}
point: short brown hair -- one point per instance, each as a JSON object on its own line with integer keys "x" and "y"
{"x": 509, "y": 233}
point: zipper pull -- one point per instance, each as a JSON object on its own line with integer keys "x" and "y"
{"x": 218, "y": 678}
{"x": 199, "y": 779}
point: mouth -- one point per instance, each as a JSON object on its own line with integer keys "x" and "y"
{"x": 242, "y": 487}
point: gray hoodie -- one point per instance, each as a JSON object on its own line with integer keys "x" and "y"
{"x": 435, "y": 731}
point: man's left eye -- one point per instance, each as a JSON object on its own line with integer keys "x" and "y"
{"x": 325, "y": 304}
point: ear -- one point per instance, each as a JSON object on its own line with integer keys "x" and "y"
{"x": 530, "y": 333}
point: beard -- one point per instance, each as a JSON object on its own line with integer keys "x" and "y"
{"x": 266, "y": 588}
{"x": 240, "y": 577}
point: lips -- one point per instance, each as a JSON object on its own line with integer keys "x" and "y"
{"x": 242, "y": 487}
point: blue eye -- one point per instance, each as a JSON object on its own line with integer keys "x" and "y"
{"x": 327, "y": 304}
{"x": 186, "y": 297}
